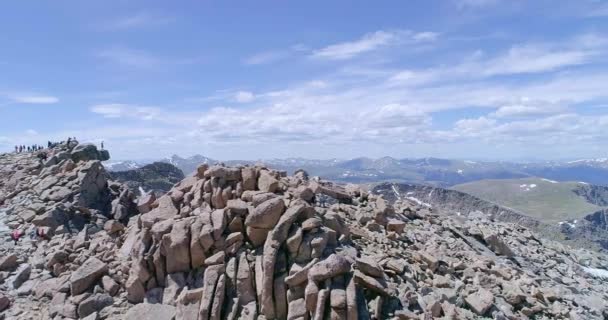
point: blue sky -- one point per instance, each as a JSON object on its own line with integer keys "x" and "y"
{"x": 476, "y": 79}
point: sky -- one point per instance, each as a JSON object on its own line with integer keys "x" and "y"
{"x": 469, "y": 79}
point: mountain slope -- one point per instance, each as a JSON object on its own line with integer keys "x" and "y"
{"x": 158, "y": 177}
{"x": 546, "y": 200}
{"x": 585, "y": 233}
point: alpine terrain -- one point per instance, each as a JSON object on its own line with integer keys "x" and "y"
{"x": 252, "y": 242}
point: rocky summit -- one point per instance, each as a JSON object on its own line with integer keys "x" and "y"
{"x": 250, "y": 242}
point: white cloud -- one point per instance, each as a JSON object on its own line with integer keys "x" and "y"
{"x": 33, "y": 99}
{"x": 244, "y": 96}
{"x": 136, "y": 20}
{"x": 474, "y": 126}
{"x": 117, "y": 110}
{"x": 108, "y": 110}
{"x": 526, "y": 107}
{"x": 425, "y": 36}
{"x": 266, "y": 57}
{"x": 345, "y": 50}
{"x": 533, "y": 59}
{"x": 370, "y": 42}
{"x": 31, "y": 132}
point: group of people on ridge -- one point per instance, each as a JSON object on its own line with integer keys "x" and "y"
{"x": 23, "y": 148}
{"x": 50, "y": 144}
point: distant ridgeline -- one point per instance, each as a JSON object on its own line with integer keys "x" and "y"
{"x": 156, "y": 177}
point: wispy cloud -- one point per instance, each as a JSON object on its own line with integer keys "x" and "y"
{"x": 137, "y": 20}
{"x": 117, "y": 110}
{"x": 33, "y": 99}
{"x": 525, "y": 108}
{"x": 270, "y": 56}
{"x": 531, "y": 58}
{"x": 370, "y": 42}
{"x": 244, "y": 96}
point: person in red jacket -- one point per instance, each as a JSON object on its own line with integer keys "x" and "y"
{"x": 41, "y": 233}
{"x": 16, "y": 234}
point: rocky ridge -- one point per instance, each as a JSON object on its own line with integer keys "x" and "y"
{"x": 254, "y": 243}
{"x": 156, "y": 177}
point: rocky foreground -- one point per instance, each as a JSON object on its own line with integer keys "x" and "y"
{"x": 253, "y": 243}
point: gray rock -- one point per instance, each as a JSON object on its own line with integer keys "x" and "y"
{"x": 266, "y": 215}
{"x": 86, "y": 275}
{"x": 480, "y": 301}
{"x": 94, "y": 304}
{"x": 8, "y": 262}
{"x": 146, "y": 311}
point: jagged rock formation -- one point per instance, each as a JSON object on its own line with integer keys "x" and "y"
{"x": 597, "y": 195}
{"x": 156, "y": 177}
{"x": 254, "y": 243}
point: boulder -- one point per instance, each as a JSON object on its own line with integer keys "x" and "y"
{"x": 481, "y": 301}
{"x": 249, "y": 178}
{"x": 144, "y": 203}
{"x": 8, "y": 262}
{"x": 266, "y": 182}
{"x": 166, "y": 210}
{"x": 266, "y": 215}
{"x": 5, "y": 302}
{"x": 109, "y": 285}
{"x": 333, "y": 266}
{"x": 94, "y": 304}
{"x": 22, "y": 274}
{"x": 86, "y": 275}
{"x": 146, "y": 311}
{"x": 395, "y": 225}
{"x": 369, "y": 266}
{"x": 88, "y": 152}
{"x": 177, "y": 247}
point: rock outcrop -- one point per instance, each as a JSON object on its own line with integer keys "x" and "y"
{"x": 253, "y": 243}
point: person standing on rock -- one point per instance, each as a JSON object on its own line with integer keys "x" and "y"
{"x": 16, "y": 234}
{"x": 101, "y": 145}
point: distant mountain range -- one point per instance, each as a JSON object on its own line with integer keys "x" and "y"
{"x": 562, "y": 200}
{"x": 432, "y": 171}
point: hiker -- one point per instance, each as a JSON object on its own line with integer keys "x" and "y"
{"x": 101, "y": 145}
{"x": 16, "y": 234}
{"x": 41, "y": 234}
